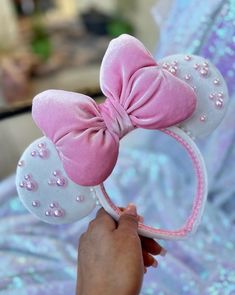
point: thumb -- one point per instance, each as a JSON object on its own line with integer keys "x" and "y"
{"x": 128, "y": 220}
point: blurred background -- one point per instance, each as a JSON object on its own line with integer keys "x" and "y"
{"x": 59, "y": 44}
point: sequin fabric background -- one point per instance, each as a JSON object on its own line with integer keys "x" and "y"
{"x": 37, "y": 258}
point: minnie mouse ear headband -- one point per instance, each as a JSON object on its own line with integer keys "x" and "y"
{"x": 59, "y": 176}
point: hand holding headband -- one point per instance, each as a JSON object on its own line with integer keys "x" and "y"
{"x": 183, "y": 96}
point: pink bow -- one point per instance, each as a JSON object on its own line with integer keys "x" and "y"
{"x": 139, "y": 94}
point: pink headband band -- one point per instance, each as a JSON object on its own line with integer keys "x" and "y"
{"x": 139, "y": 94}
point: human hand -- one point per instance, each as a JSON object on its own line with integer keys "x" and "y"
{"x": 112, "y": 257}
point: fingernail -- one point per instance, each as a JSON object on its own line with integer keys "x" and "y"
{"x": 131, "y": 209}
{"x": 155, "y": 263}
{"x": 163, "y": 252}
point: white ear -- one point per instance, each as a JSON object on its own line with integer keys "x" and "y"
{"x": 45, "y": 189}
{"x": 209, "y": 86}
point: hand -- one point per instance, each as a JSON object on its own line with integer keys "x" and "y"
{"x": 112, "y": 258}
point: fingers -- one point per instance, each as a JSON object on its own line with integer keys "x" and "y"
{"x": 128, "y": 220}
{"x": 102, "y": 220}
{"x": 149, "y": 260}
{"x": 152, "y": 246}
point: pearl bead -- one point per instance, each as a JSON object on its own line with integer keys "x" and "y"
{"x": 196, "y": 66}
{"x": 54, "y": 205}
{"x": 172, "y": 70}
{"x": 212, "y": 95}
{"x": 58, "y": 213}
{"x": 216, "y": 81}
{"x": 30, "y": 186}
{"x": 48, "y": 213}
{"x": 187, "y": 57}
{"x": 33, "y": 153}
{"x": 187, "y": 77}
{"x": 165, "y": 65}
{"x": 219, "y": 103}
{"x": 205, "y": 64}
{"x": 204, "y": 72}
{"x": 41, "y": 145}
{"x": 203, "y": 118}
{"x": 21, "y": 184}
{"x": 36, "y": 204}
{"x": 220, "y": 95}
{"x": 80, "y": 198}
{"x": 60, "y": 182}
{"x": 56, "y": 173}
{"x": 20, "y": 163}
{"x": 27, "y": 177}
{"x": 43, "y": 154}
{"x": 194, "y": 88}
{"x": 51, "y": 182}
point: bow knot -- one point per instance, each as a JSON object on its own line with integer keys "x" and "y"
{"x": 116, "y": 118}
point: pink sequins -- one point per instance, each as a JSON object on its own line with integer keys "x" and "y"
{"x": 29, "y": 183}
{"x": 41, "y": 152}
{"x": 58, "y": 179}
{"x": 55, "y": 210}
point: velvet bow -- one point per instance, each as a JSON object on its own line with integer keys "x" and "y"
{"x": 140, "y": 94}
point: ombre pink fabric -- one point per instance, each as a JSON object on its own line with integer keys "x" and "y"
{"x": 139, "y": 94}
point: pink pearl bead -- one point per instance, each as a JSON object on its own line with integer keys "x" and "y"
{"x": 33, "y": 153}
{"x": 56, "y": 173}
{"x": 219, "y": 103}
{"x": 220, "y": 95}
{"x": 30, "y": 186}
{"x": 203, "y": 118}
{"x": 60, "y": 182}
{"x": 80, "y": 198}
{"x": 43, "y": 154}
{"x": 203, "y": 72}
{"x": 187, "y": 77}
{"x": 205, "y": 64}
{"x": 41, "y": 145}
{"x": 216, "y": 81}
{"x": 196, "y": 66}
{"x": 187, "y": 57}
{"x": 212, "y": 95}
{"x": 172, "y": 71}
{"x": 54, "y": 205}
{"x": 20, "y": 163}
{"x": 21, "y": 184}
{"x": 48, "y": 212}
{"x": 51, "y": 182}
{"x": 27, "y": 177}
{"x": 36, "y": 203}
{"x": 58, "y": 213}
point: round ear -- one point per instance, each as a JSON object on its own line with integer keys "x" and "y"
{"x": 45, "y": 189}
{"x": 210, "y": 89}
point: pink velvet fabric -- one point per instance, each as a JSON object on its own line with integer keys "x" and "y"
{"x": 139, "y": 94}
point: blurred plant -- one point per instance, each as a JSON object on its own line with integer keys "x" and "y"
{"x": 118, "y": 26}
{"x": 40, "y": 42}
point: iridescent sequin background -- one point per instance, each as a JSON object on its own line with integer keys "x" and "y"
{"x": 37, "y": 258}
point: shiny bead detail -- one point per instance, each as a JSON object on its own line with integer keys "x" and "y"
{"x": 187, "y": 77}
{"x": 42, "y": 151}
{"x": 59, "y": 213}
{"x": 219, "y": 103}
{"x": 204, "y": 71}
{"x": 216, "y": 82}
{"x": 203, "y": 118}
{"x": 57, "y": 179}
{"x": 20, "y": 163}
{"x": 80, "y": 198}
{"x": 220, "y": 94}
{"x": 196, "y": 66}
{"x": 48, "y": 212}
{"x": 188, "y": 57}
{"x": 29, "y": 184}
{"x": 36, "y": 203}
{"x": 212, "y": 95}
{"x": 54, "y": 205}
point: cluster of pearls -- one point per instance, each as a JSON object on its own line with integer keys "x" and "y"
{"x": 28, "y": 183}
{"x": 217, "y": 97}
{"x": 58, "y": 179}
{"x": 42, "y": 151}
{"x": 203, "y": 69}
{"x": 171, "y": 67}
{"x": 54, "y": 210}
